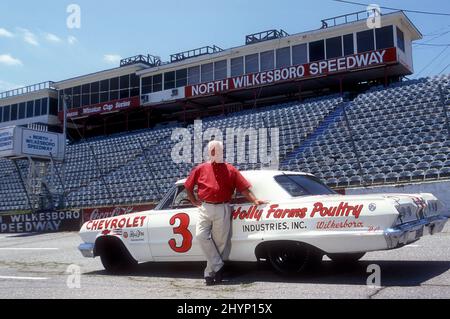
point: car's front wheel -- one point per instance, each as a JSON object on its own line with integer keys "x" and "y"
{"x": 293, "y": 258}
{"x": 346, "y": 258}
{"x": 115, "y": 257}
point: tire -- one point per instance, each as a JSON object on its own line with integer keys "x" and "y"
{"x": 293, "y": 258}
{"x": 346, "y": 258}
{"x": 117, "y": 260}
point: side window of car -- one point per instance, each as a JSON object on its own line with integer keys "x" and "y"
{"x": 181, "y": 200}
{"x": 167, "y": 201}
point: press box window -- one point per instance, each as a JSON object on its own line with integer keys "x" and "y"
{"x": 316, "y": 51}
{"x": 76, "y": 101}
{"x": 104, "y": 86}
{"x": 385, "y": 37}
{"x": 400, "y": 40}
{"x": 53, "y": 106}
{"x": 157, "y": 83}
{"x": 30, "y": 109}
{"x": 6, "y": 113}
{"x": 86, "y": 92}
{"x": 44, "y": 106}
{"x": 237, "y": 66}
{"x": 85, "y": 100}
{"x": 299, "y": 54}
{"x": 208, "y": 72}
{"x": 169, "y": 80}
{"x": 114, "y": 84}
{"x": 22, "y": 107}
{"x": 365, "y": 40}
{"x": 147, "y": 85}
{"x": 252, "y": 63}
{"x": 334, "y": 47}
{"x": 194, "y": 75}
{"x": 284, "y": 57}
{"x": 267, "y": 60}
{"x": 349, "y": 46}
{"x": 37, "y": 107}
{"x": 181, "y": 78}
{"x": 220, "y": 70}
{"x": 14, "y": 108}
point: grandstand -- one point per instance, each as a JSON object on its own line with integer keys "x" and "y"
{"x": 351, "y": 129}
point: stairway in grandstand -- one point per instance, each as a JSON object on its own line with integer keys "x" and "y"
{"x": 399, "y": 132}
{"x": 319, "y": 131}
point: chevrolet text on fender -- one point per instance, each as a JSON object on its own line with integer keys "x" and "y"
{"x": 315, "y": 69}
{"x": 110, "y": 224}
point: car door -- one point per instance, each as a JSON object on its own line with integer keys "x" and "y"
{"x": 172, "y": 229}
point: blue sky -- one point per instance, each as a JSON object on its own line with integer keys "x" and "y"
{"x": 36, "y": 45}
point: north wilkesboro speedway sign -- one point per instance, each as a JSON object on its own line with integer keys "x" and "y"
{"x": 17, "y": 141}
{"x": 41, "y": 222}
{"x": 299, "y": 72}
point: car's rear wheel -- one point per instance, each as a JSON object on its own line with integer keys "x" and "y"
{"x": 346, "y": 258}
{"x": 293, "y": 258}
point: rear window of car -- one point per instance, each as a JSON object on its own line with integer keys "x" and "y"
{"x": 303, "y": 185}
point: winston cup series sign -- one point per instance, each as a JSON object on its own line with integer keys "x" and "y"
{"x": 316, "y": 69}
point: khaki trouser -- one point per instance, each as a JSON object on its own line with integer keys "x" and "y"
{"x": 213, "y": 235}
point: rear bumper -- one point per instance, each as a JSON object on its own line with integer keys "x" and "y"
{"x": 407, "y": 233}
{"x": 87, "y": 250}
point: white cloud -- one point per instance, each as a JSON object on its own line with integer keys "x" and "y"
{"x": 50, "y": 37}
{"x": 112, "y": 58}
{"x": 7, "y": 86}
{"x": 9, "y": 60}
{"x": 5, "y": 33}
{"x": 72, "y": 40}
{"x": 29, "y": 37}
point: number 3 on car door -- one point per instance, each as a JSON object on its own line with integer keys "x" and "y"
{"x": 186, "y": 245}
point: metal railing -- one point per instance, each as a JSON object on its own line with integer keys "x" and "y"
{"x": 348, "y": 18}
{"x": 265, "y": 36}
{"x": 27, "y": 89}
{"x": 194, "y": 53}
{"x": 146, "y": 59}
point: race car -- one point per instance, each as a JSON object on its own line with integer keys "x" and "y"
{"x": 303, "y": 221}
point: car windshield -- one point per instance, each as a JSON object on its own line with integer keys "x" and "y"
{"x": 303, "y": 185}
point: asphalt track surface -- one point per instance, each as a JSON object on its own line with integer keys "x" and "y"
{"x": 35, "y": 266}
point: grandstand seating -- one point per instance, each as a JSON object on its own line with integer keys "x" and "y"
{"x": 399, "y": 134}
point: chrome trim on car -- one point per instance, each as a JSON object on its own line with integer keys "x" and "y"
{"x": 87, "y": 250}
{"x": 410, "y": 232}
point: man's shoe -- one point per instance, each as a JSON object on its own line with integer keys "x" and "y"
{"x": 219, "y": 276}
{"x": 209, "y": 281}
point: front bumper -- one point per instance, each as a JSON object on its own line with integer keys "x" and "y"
{"x": 410, "y": 232}
{"x": 87, "y": 250}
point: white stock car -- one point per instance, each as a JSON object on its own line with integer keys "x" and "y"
{"x": 303, "y": 221}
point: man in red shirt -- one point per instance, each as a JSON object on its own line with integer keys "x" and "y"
{"x": 217, "y": 182}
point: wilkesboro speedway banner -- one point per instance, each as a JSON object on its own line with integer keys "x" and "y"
{"x": 107, "y": 212}
{"x": 305, "y": 71}
{"x": 41, "y": 222}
